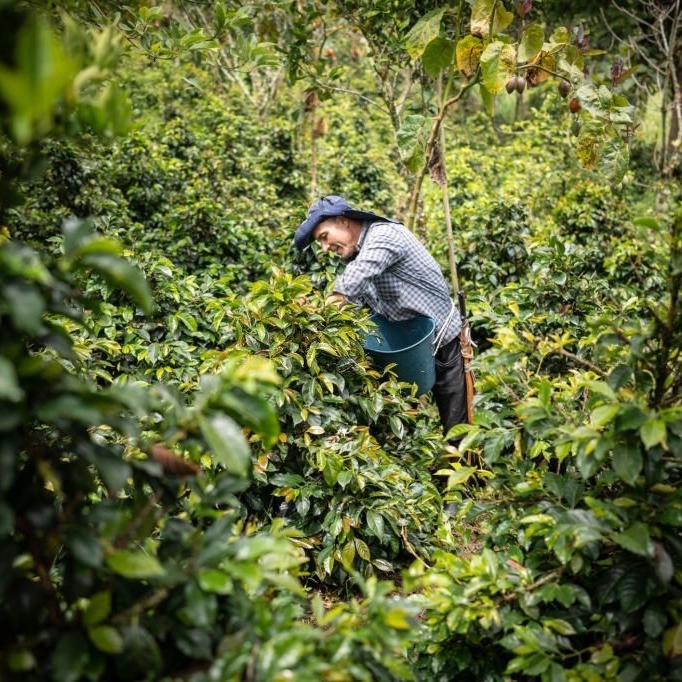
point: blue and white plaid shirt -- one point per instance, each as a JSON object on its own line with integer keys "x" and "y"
{"x": 394, "y": 275}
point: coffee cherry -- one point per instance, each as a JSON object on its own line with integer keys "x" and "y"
{"x": 564, "y": 88}
{"x": 512, "y": 84}
{"x": 520, "y": 84}
{"x": 574, "y": 105}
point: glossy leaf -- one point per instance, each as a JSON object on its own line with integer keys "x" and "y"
{"x": 627, "y": 461}
{"x": 134, "y": 565}
{"x": 106, "y": 638}
{"x": 120, "y": 273}
{"x": 653, "y": 432}
{"x": 98, "y": 609}
{"x": 635, "y": 539}
{"x": 227, "y": 443}
{"x": 10, "y": 389}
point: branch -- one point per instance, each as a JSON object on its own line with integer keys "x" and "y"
{"x": 582, "y": 361}
{"x": 354, "y": 93}
{"x": 433, "y": 136}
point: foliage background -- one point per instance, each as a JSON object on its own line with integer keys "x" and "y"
{"x": 202, "y": 476}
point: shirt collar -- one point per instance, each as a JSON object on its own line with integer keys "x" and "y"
{"x": 361, "y": 238}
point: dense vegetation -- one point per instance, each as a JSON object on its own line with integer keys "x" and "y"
{"x": 201, "y": 474}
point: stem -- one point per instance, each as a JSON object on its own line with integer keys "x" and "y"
{"x": 410, "y": 548}
{"x": 140, "y": 607}
{"x": 582, "y": 361}
{"x": 433, "y": 136}
{"x": 446, "y": 210}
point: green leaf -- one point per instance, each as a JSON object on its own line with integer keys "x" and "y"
{"x": 114, "y": 470}
{"x": 77, "y": 233}
{"x": 460, "y": 475}
{"x": 98, "y": 609}
{"x": 602, "y": 388}
{"x": 672, "y": 641}
{"x": 111, "y": 114}
{"x": 412, "y": 138}
{"x": 532, "y": 40}
{"x": 25, "y": 305}
{"x": 630, "y": 418}
{"x": 383, "y": 565}
{"x": 86, "y": 547}
{"x": 398, "y": 619}
{"x": 604, "y": 414}
{"x": 119, "y": 273}
{"x": 559, "y": 625}
{"x": 6, "y": 520}
{"x": 81, "y": 238}
{"x": 487, "y": 98}
{"x": 362, "y": 549}
{"x": 215, "y": 581}
{"x": 653, "y": 432}
{"x": 498, "y": 63}
{"x": 21, "y": 661}
{"x": 201, "y": 606}
{"x": 42, "y": 74}
{"x": 375, "y": 523}
{"x": 619, "y": 376}
{"x": 627, "y": 461}
{"x": 106, "y": 638}
{"x": 654, "y": 620}
{"x": 614, "y": 158}
{"x": 187, "y": 320}
{"x": 438, "y": 55}
{"x": 10, "y": 389}
{"x": 635, "y": 539}
{"x": 134, "y": 565}
{"x": 423, "y": 33}
{"x": 253, "y": 411}
{"x": 648, "y": 222}
{"x": 487, "y": 12}
{"x": 226, "y": 441}
{"x": 69, "y": 658}
{"x": 348, "y": 554}
{"x": 75, "y": 408}
{"x": 631, "y": 588}
{"x": 141, "y": 657}
{"x": 602, "y": 104}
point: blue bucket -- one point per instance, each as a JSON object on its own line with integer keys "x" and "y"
{"x": 408, "y": 344}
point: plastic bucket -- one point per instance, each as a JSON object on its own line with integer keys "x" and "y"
{"x": 408, "y": 344}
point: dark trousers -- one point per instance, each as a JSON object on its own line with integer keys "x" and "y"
{"x": 449, "y": 391}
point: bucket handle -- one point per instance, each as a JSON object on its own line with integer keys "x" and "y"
{"x": 441, "y": 332}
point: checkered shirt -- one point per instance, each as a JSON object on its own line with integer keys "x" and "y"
{"x": 393, "y": 274}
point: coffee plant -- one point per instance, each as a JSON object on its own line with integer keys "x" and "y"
{"x": 203, "y": 475}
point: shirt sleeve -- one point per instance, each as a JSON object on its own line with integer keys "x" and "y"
{"x": 380, "y": 251}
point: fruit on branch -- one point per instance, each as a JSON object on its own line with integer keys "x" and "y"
{"x": 511, "y": 84}
{"x": 564, "y": 88}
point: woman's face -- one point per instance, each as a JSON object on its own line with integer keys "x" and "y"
{"x": 338, "y": 236}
